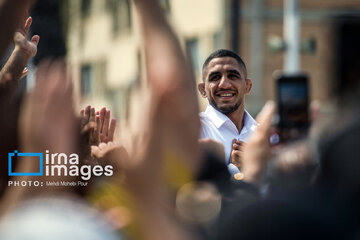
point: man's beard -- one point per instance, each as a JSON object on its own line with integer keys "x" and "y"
{"x": 225, "y": 110}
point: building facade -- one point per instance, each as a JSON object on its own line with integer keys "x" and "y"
{"x": 105, "y": 56}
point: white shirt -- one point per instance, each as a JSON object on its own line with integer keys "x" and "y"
{"x": 219, "y": 127}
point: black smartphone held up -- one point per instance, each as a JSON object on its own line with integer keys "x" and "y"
{"x": 293, "y": 106}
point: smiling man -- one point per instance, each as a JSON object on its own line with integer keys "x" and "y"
{"x": 225, "y": 84}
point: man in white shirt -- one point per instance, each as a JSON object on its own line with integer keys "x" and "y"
{"x": 225, "y": 84}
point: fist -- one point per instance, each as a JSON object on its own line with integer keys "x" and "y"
{"x": 237, "y": 151}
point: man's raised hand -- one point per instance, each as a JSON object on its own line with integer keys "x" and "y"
{"x": 106, "y": 127}
{"x": 23, "y": 51}
{"x": 28, "y": 47}
{"x": 90, "y": 125}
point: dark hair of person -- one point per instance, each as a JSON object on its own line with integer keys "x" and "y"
{"x": 224, "y": 53}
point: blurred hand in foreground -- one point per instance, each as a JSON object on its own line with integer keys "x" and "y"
{"x": 257, "y": 150}
{"x": 47, "y": 120}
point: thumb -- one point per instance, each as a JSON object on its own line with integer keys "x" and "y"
{"x": 265, "y": 116}
{"x": 35, "y": 39}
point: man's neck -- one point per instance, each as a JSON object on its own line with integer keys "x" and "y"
{"x": 237, "y": 117}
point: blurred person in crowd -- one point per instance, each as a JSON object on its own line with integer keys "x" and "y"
{"x": 14, "y": 24}
{"x": 339, "y": 145}
{"x": 48, "y": 121}
{"x": 225, "y": 85}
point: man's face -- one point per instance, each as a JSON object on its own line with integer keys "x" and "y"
{"x": 225, "y": 84}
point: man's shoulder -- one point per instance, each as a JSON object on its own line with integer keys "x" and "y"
{"x": 203, "y": 115}
{"x": 205, "y": 119}
{"x": 208, "y": 127}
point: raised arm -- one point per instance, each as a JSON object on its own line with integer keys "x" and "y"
{"x": 47, "y": 122}
{"x": 171, "y": 81}
{"x": 12, "y": 14}
{"x": 170, "y": 138}
{"x": 21, "y": 54}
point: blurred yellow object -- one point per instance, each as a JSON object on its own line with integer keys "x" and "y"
{"x": 239, "y": 176}
{"x": 176, "y": 170}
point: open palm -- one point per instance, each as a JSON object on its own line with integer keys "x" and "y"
{"x": 22, "y": 43}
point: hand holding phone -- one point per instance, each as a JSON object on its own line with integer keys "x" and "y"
{"x": 293, "y": 106}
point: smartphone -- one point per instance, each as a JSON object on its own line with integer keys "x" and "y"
{"x": 293, "y": 106}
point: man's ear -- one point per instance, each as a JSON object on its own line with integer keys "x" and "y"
{"x": 201, "y": 88}
{"x": 248, "y": 86}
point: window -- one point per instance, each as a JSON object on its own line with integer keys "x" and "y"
{"x": 120, "y": 13}
{"x": 165, "y": 4}
{"x": 192, "y": 47}
{"x": 85, "y": 7}
{"x": 86, "y": 75}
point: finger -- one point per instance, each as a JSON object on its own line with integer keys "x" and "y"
{"x": 237, "y": 152}
{"x": 92, "y": 115}
{"x": 265, "y": 116}
{"x": 102, "y": 116}
{"x": 240, "y": 145}
{"x": 112, "y": 129}
{"x": 235, "y": 157}
{"x": 233, "y": 143}
{"x": 87, "y": 113}
{"x": 106, "y": 122}
{"x": 82, "y": 116}
{"x": 35, "y": 40}
{"x": 24, "y": 73}
{"x": 97, "y": 129}
{"x": 27, "y": 24}
{"x": 235, "y": 146}
{"x": 88, "y": 127}
{"x": 95, "y": 151}
{"x": 102, "y": 146}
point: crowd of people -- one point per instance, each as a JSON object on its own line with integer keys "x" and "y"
{"x": 185, "y": 176}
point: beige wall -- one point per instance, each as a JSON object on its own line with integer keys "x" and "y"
{"x": 91, "y": 40}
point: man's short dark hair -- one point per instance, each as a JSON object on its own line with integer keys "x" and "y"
{"x": 224, "y": 53}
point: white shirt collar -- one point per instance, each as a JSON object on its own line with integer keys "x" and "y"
{"x": 219, "y": 118}
{"x": 216, "y": 117}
